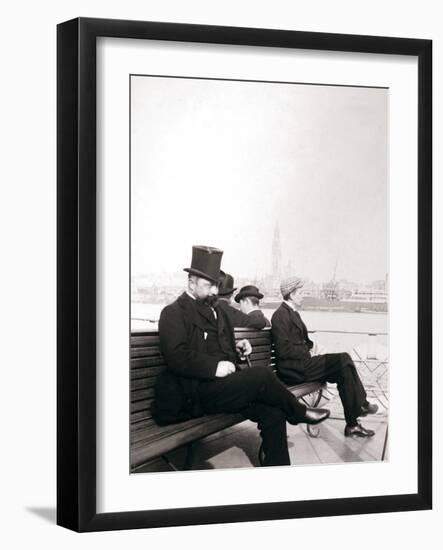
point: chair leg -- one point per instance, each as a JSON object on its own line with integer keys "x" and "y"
{"x": 169, "y": 463}
{"x": 385, "y": 445}
{"x": 189, "y": 456}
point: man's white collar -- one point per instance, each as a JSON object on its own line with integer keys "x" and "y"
{"x": 290, "y": 305}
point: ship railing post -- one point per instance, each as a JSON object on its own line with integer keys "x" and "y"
{"x": 372, "y": 346}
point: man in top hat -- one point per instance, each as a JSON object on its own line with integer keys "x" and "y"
{"x": 197, "y": 343}
{"x": 249, "y": 299}
{"x": 237, "y": 317}
{"x": 296, "y": 365}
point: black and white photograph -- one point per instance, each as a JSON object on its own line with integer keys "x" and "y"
{"x": 244, "y": 274}
{"x": 259, "y": 274}
{"x": 224, "y": 220}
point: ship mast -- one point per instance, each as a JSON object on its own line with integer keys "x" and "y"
{"x": 330, "y": 290}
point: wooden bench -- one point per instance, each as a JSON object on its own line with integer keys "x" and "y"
{"x": 150, "y": 441}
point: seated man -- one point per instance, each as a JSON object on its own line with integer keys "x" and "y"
{"x": 249, "y": 299}
{"x": 296, "y": 365}
{"x": 237, "y": 318}
{"x": 197, "y": 343}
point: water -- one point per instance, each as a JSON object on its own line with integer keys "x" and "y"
{"x": 315, "y": 321}
{"x": 342, "y": 320}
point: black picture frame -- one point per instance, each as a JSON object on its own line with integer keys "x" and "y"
{"x": 76, "y": 273}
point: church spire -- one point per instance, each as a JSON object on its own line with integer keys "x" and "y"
{"x": 276, "y": 255}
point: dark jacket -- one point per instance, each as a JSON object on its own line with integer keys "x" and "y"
{"x": 258, "y": 316}
{"x": 183, "y": 330}
{"x": 239, "y": 319}
{"x": 292, "y": 343}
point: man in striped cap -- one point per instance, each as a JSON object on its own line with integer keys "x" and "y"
{"x": 296, "y": 365}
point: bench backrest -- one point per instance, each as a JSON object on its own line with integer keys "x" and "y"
{"x": 147, "y": 363}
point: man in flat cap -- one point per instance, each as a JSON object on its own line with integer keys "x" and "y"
{"x": 198, "y": 345}
{"x": 296, "y": 365}
{"x": 249, "y": 299}
{"x": 237, "y": 317}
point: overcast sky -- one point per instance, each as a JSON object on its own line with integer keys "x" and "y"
{"x": 221, "y": 163}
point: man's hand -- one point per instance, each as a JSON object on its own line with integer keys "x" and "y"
{"x": 224, "y": 368}
{"x": 244, "y": 347}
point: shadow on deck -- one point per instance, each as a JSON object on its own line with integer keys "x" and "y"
{"x": 237, "y": 447}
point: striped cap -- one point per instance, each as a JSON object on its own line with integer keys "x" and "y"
{"x": 290, "y": 284}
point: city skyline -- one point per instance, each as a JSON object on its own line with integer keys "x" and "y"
{"x": 179, "y": 278}
{"x": 279, "y": 269}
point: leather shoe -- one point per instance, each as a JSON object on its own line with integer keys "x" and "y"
{"x": 313, "y": 416}
{"x": 358, "y": 431}
{"x": 370, "y": 408}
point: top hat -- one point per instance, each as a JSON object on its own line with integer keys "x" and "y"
{"x": 226, "y": 284}
{"x": 248, "y": 290}
{"x": 205, "y": 262}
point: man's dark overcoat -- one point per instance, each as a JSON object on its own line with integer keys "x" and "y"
{"x": 292, "y": 343}
{"x": 257, "y": 316}
{"x": 185, "y": 330}
{"x": 240, "y": 319}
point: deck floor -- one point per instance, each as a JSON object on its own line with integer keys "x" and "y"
{"x": 237, "y": 447}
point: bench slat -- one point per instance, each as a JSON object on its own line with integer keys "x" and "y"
{"x": 140, "y": 416}
{"x": 260, "y": 363}
{"x": 254, "y": 333}
{"x": 147, "y": 362}
{"x": 260, "y": 349}
{"x": 145, "y": 352}
{"x": 145, "y": 423}
{"x": 263, "y": 355}
{"x": 139, "y": 362}
{"x": 145, "y": 340}
{"x": 259, "y": 341}
{"x": 143, "y": 383}
{"x": 139, "y": 395}
{"x": 144, "y": 453}
{"x": 146, "y": 372}
{"x": 141, "y": 405}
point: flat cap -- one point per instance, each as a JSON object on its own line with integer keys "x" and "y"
{"x": 290, "y": 284}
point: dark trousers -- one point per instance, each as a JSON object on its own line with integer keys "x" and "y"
{"x": 337, "y": 368}
{"x": 261, "y": 397}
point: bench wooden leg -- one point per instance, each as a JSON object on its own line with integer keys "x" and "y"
{"x": 189, "y": 456}
{"x": 169, "y": 463}
{"x": 385, "y": 444}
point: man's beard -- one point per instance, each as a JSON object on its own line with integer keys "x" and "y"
{"x": 210, "y": 301}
